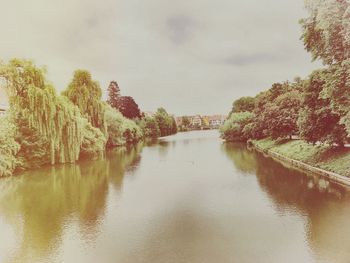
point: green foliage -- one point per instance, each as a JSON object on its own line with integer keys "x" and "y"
{"x": 326, "y": 36}
{"x": 243, "y": 104}
{"x": 49, "y": 116}
{"x": 234, "y": 128}
{"x": 48, "y": 128}
{"x": 281, "y": 116}
{"x": 166, "y": 122}
{"x": 8, "y": 146}
{"x": 132, "y": 133}
{"x": 186, "y": 122}
{"x": 326, "y": 30}
{"x": 334, "y": 159}
{"x": 128, "y": 107}
{"x": 113, "y": 94}
{"x": 336, "y": 90}
{"x": 318, "y": 108}
{"x": 276, "y": 111}
{"x": 94, "y": 142}
{"x": 121, "y": 131}
{"x": 86, "y": 94}
{"x": 114, "y": 120}
{"x": 317, "y": 121}
{"x": 34, "y": 150}
{"x": 149, "y": 127}
{"x": 305, "y": 108}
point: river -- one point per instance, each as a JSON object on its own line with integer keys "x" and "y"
{"x": 185, "y": 198}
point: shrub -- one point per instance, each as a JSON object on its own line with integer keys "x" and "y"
{"x": 94, "y": 142}
{"x": 8, "y": 146}
{"x": 234, "y": 128}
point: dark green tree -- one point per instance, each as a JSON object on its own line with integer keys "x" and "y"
{"x": 113, "y": 94}
{"x": 128, "y": 107}
{"x": 233, "y": 128}
{"x": 186, "y": 122}
{"x": 243, "y": 104}
{"x": 317, "y": 121}
{"x": 150, "y": 127}
{"x": 166, "y": 122}
{"x": 326, "y": 30}
{"x": 281, "y": 115}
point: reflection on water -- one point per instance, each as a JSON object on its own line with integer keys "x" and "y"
{"x": 185, "y": 198}
{"x": 325, "y": 205}
{"x": 41, "y": 204}
{"x": 242, "y": 159}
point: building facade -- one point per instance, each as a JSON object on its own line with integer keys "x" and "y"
{"x": 196, "y": 121}
{"x": 216, "y": 121}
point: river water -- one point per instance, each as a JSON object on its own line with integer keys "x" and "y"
{"x": 186, "y": 198}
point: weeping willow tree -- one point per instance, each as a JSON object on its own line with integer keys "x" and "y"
{"x": 34, "y": 102}
{"x": 86, "y": 94}
{"x": 8, "y": 146}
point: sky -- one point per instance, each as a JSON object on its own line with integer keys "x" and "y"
{"x": 188, "y": 56}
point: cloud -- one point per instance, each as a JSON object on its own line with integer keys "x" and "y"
{"x": 193, "y": 56}
{"x": 181, "y": 28}
{"x": 259, "y": 58}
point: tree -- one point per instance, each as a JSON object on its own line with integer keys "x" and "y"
{"x": 114, "y": 121}
{"x": 86, "y": 94}
{"x": 233, "y": 128}
{"x": 281, "y": 115}
{"x": 317, "y": 121}
{"x": 166, "y": 123}
{"x": 37, "y": 109}
{"x": 243, "y": 104}
{"x": 266, "y": 110}
{"x": 336, "y": 90}
{"x": 113, "y": 94}
{"x": 150, "y": 127}
{"x": 8, "y": 146}
{"x": 94, "y": 142}
{"x": 326, "y": 31}
{"x": 173, "y": 125}
{"x": 205, "y": 121}
{"x": 186, "y": 122}
{"x": 128, "y": 107}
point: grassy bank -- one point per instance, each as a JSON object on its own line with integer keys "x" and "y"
{"x": 331, "y": 159}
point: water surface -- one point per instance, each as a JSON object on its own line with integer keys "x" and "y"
{"x": 186, "y": 198}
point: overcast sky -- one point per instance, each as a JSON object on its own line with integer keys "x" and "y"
{"x": 189, "y": 56}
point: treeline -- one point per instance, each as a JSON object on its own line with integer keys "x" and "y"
{"x": 316, "y": 109}
{"x": 43, "y": 127}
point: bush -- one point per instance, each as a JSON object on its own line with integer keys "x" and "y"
{"x": 131, "y": 132}
{"x": 94, "y": 142}
{"x": 149, "y": 127}
{"x": 35, "y": 148}
{"x": 8, "y": 146}
{"x": 121, "y": 130}
{"x": 238, "y": 127}
{"x": 114, "y": 120}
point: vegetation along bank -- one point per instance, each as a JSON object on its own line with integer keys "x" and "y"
{"x": 44, "y": 127}
{"x": 305, "y": 119}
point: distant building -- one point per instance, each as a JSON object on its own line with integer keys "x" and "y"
{"x": 196, "y": 121}
{"x": 178, "y": 121}
{"x": 216, "y": 120}
{"x": 202, "y": 122}
{"x": 4, "y": 103}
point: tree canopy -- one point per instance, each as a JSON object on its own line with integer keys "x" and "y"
{"x": 86, "y": 94}
{"x": 128, "y": 107}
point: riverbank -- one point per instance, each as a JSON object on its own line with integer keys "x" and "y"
{"x": 330, "y": 162}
